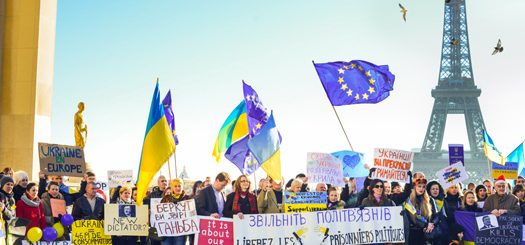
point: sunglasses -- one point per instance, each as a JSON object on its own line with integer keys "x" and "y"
{"x": 420, "y": 181}
{"x": 378, "y": 186}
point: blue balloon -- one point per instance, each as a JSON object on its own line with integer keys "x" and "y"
{"x": 49, "y": 234}
{"x": 67, "y": 219}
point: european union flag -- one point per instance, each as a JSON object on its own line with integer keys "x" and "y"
{"x": 255, "y": 111}
{"x": 355, "y": 82}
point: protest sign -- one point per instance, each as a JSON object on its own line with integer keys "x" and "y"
{"x": 509, "y": 170}
{"x": 353, "y": 163}
{"x": 103, "y": 186}
{"x": 178, "y": 219}
{"x": 452, "y": 175}
{"x": 392, "y": 165}
{"x": 125, "y": 220}
{"x": 153, "y": 203}
{"x": 344, "y": 226}
{"x": 89, "y": 232}
{"x": 304, "y": 201}
{"x": 324, "y": 168}
{"x": 455, "y": 154}
{"x": 58, "y": 206}
{"x": 215, "y": 231}
{"x": 506, "y": 229}
{"x": 120, "y": 178}
{"x": 25, "y": 242}
{"x": 61, "y": 160}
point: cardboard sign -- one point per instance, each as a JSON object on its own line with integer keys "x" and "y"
{"x": 58, "y": 206}
{"x": 61, "y": 160}
{"x": 125, "y": 220}
{"x": 452, "y": 175}
{"x": 304, "y": 201}
{"x": 103, "y": 186}
{"x": 505, "y": 229}
{"x": 509, "y": 170}
{"x": 120, "y": 178}
{"x": 178, "y": 219}
{"x": 346, "y": 226}
{"x": 215, "y": 231}
{"x": 392, "y": 165}
{"x": 455, "y": 154}
{"x": 324, "y": 168}
{"x": 353, "y": 163}
{"x": 89, "y": 232}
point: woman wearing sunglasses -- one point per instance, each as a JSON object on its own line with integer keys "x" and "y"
{"x": 420, "y": 211}
{"x": 376, "y": 195}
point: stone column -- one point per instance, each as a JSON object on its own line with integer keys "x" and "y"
{"x": 26, "y": 82}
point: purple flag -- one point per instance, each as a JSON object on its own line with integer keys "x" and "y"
{"x": 255, "y": 111}
{"x": 170, "y": 117}
{"x": 239, "y": 154}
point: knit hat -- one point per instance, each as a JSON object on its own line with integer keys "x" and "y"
{"x": 499, "y": 180}
{"x": 6, "y": 179}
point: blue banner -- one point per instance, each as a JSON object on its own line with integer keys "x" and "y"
{"x": 456, "y": 154}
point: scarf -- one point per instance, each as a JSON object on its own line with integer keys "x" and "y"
{"x": 9, "y": 197}
{"x": 251, "y": 200}
{"x": 472, "y": 208}
{"x": 31, "y": 203}
{"x": 120, "y": 201}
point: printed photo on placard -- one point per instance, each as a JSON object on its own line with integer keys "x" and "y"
{"x": 487, "y": 222}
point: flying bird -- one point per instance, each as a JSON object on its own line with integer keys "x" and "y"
{"x": 404, "y": 11}
{"x": 498, "y": 48}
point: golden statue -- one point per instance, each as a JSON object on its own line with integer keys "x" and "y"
{"x": 80, "y": 127}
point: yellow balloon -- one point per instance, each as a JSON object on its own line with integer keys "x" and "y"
{"x": 60, "y": 229}
{"x": 34, "y": 234}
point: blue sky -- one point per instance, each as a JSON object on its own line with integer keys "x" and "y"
{"x": 109, "y": 54}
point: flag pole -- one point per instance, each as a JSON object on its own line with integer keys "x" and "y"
{"x": 175, "y": 160}
{"x": 169, "y": 168}
{"x": 337, "y": 115}
{"x": 254, "y": 181}
{"x": 343, "y": 128}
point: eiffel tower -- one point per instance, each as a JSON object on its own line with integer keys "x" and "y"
{"x": 455, "y": 93}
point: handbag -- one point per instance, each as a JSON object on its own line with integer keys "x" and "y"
{"x": 434, "y": 234}
{"x": 153, "y": 235}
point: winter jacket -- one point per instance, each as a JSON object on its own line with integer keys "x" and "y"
{"x": 48, "y": 212}
{"x": 32, "y": 210}
{"x": 507, "y": 201}
{"x": 267, "y": 202}
{"x": 82, "y": 209}
{"x": 18, "y": 192}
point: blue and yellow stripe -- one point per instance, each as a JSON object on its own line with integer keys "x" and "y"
{"x": 158, "y": 145}
{"x": 234, "y": 128}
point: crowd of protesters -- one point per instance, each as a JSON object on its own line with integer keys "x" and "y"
{"x": 428, "y": 209}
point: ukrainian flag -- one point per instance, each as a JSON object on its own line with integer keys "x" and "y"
{"x": 158, "y": 145}
{"x": 234, "y": 128}
{"x": 518, "y": 156}
{"x": 491, "y": 152}
{"x": 266, "y": 148}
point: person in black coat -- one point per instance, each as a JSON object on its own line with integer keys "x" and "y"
{"x": 210, "y": 200}
{"x": 453, "y": 202}
{"x": 436, "y": 191}
{"x": 82, "y": 208}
